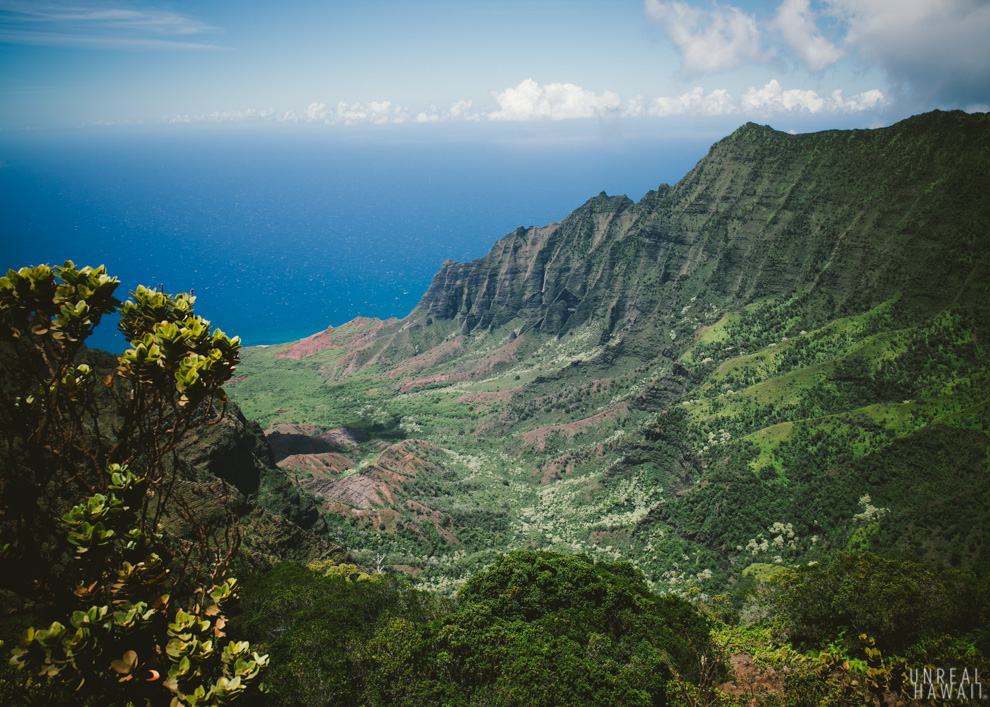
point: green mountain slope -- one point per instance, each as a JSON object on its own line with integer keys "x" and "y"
{"x": 782, "y": 356}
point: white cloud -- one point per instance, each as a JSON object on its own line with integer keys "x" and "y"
{"x": 773, "y": 99}
{"x": 375, "y": 112}
{"x": 795, "y": 22}
{"x": 530, "y": 101}
{"x": 769, "y": 100}
{"x": 458, "y": 110}
{"x": 710, "y": 40}
{"x": 867, "y": 100}
{"x": 937, "y": 47}
{"x": 461, "y": 110}
{"x": 424, "y": 117}
{"x": 695, "y": 102}
{"x": 555, "y": 101}
{"x": 316, "y": 111}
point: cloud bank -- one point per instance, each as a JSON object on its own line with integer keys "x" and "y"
{"x": 555, "y": 101}
{"x": 530, "y": 101}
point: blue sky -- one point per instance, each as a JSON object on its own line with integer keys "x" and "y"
{"x": 796, "y": 64}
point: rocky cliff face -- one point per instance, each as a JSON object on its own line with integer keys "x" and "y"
{"x": 836, "y": 213}
{"x": 533, "y": 276}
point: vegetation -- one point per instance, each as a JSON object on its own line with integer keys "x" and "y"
{"x": 535, "y": 628}
{"x": 146, "y": 609}
{"x": 543, "y": 628}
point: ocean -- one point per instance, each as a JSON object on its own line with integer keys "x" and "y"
{"x": 281, "y": 235}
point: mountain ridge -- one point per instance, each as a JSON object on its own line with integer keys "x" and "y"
{"x": 631, "y": 354}
{"x": 479, "y": 294}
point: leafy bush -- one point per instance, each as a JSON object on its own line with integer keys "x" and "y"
{"x": 102, "y": 448}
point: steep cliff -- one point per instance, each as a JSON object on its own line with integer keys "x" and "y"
{"x": 856, "y": 217}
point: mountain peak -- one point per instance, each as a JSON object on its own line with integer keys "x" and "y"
{"x": 751, "y": 132}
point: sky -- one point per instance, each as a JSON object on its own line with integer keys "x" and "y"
{"x": 475, "y": 64}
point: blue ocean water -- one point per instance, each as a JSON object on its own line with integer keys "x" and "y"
{"x": 280, "y": 236}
